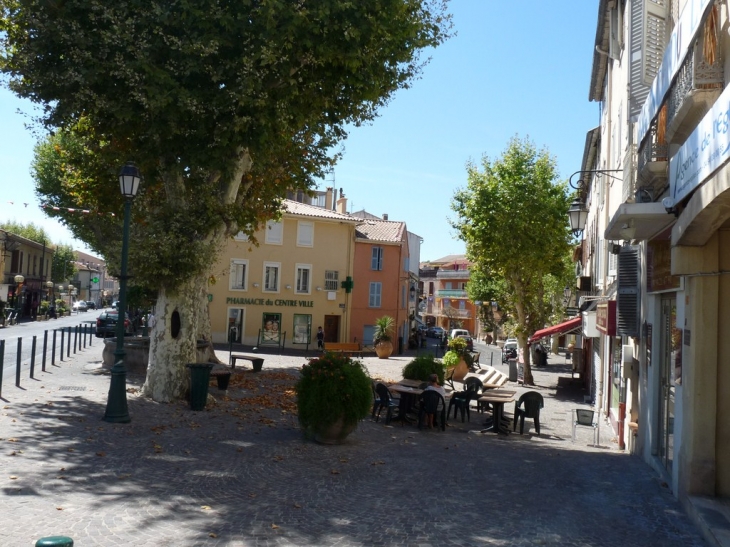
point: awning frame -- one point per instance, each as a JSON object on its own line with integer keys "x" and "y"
{"x": 561, "y": 328}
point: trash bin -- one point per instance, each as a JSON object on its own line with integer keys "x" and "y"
{"x": 199, "y": 378}
{"x": 512, "y": 370}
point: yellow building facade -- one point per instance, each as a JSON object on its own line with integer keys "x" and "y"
{"x": 279, "y": 293}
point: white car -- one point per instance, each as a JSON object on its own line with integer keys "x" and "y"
{"x": 80, "y": 305}
{"x": 459, "y": 332}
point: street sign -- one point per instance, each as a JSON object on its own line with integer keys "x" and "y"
{"x": 572, "y": 311}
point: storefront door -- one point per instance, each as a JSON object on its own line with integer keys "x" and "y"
{"x": 670, "y": 341}
{"x": 331, "y": 328}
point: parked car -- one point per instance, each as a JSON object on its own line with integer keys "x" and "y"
{"x": 91, "y": 305}
{"x": 458, "y": 332}
{"x": 509, "y": 350}
{"x": 106, "y": 324}
{"x": 80, "y": 305}
{"x": 435, "y": 332}
{"x": 115, "y": 304}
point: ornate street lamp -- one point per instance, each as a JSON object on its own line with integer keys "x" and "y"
{"x": 116, "y": 406}
{"x": 577, "y": 216}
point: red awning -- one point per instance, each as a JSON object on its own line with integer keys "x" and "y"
{"x": 560, "y": 328}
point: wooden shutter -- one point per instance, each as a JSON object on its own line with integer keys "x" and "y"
{"x": 648, "y": 38}
{"x": 629, "y": 291}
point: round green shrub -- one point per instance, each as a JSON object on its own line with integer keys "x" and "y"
{"x": 330, "y": 387}
{"x": 451, "y": 359}
{"x": 422, "y": 367}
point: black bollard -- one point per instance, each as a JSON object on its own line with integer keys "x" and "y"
{"x": 32, "y": 357}
{"x": 53, "y": 349}
{"x": 17, "y": 365}
{"x": 45, "y": 348}
{"x": 63, "y": 333}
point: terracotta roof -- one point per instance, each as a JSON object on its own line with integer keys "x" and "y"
{"x": 302, "y": 209}
{"x": 448, "y": 259}
{"x": 390, "y": 231}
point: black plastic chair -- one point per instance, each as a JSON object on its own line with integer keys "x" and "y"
{"x": 385, "y": 400}
{"x": 528, "y": 406}
{"x": 432, "y": 402}
{"x": 461, "y": 400}
{"x": 376, "y": 401}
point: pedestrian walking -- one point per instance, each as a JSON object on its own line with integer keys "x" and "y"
{"x": 320, "y": 338}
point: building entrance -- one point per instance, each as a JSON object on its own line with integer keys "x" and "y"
{"x": 670, "y": 347}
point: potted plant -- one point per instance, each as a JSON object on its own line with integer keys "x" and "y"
{"x": 382, "y": 336}
{"x": 334, "y": 392}
{"x": 457, "y": 361}
{"x": 422, "y": 367}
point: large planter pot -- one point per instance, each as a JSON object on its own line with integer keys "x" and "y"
{"x": 384, "y": 349}
{"x": 334, "y": 434}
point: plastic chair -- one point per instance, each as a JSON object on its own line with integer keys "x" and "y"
{"x": 385, "y": 401}
{"x": 432, "y": 404}
{"x": 528, "y": 406}
{"x": 587, "y": 418}
{"x": 460, "y": 401}
{"x": 376, "y": 401}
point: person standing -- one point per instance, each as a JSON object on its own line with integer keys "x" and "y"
{"x": 151, "y": 320}
{"x": 320, "y": 338}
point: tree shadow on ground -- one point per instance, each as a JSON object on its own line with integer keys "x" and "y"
{"x": 244, "y": 473}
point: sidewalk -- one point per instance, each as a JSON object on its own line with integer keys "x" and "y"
{"x": 244, "y": 476}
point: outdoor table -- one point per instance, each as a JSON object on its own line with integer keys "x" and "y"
{"x": 497, "y": 398}
{"x": 410, "y": 383}
{"x": 408, "y": 395}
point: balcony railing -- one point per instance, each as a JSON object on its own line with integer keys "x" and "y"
{"x": 695, "y": 89}
{"x": 451, "y": 293}
{"x": 452, "y": 274}
{"x": 652, "y": 158}
{"x": 629, "y": 188}
{"x": 454, "y": 313}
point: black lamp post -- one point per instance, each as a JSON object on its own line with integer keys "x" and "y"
{"x": 116, "y": 406}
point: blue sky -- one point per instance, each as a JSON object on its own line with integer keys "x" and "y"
{"x": 513, "y": 68}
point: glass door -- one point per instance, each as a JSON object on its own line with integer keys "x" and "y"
{"x": 670, "y": 346}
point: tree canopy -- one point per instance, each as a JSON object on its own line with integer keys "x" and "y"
{"x": 512, "y": 215}
{"x": 223, "y": 105}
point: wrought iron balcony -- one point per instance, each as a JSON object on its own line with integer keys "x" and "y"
{"x": 453, "y": 313}
{"x": 653, "y": 158}
{"x": 695, "y": 89}
{"x": 629, "y": 187}
{"x": 451, "y": 293}
{"x": 452, "y": 274}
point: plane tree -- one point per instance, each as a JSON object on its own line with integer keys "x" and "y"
{"x": 223, "y": 105}
{"x": 512, "y": 216}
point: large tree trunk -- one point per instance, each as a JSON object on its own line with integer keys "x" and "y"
{"x": 184, "y": 313}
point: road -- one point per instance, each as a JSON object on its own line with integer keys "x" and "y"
{"x": 26, "y": 331}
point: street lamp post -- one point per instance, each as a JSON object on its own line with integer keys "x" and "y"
{"x": 18, "y": 294}
{"x": 116, "y": 406}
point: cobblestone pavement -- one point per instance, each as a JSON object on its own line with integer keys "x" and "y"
{"x": 240, "y": 476}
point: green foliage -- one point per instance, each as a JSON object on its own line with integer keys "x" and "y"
{"x": 330, "y": 387}
{"x": 223, "y": 106}
{"x": 28, "y": 231}
{"x": 383, "y": 329}
{"x": 422, "y": 367}
{"x": 62, "y": 267}
{"x": 512, "y": 215}
{"x": 451, "y": 359}
{"x": 43, "y": 308}
{"x": 61, "y": 305}
{"x": 457, "y": 344}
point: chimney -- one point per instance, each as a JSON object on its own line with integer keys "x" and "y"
{"x": 385, "y": 216}
{"x": 342, "y": 206}
{"x": 328, "y": 199}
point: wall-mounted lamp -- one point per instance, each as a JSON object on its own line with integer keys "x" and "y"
{"x": 578, "y": 212}
{"x": 669, "y": 206}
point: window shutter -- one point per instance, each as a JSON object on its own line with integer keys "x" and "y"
{"x": 629, "y": 291}
{"x": 648, "y": 38}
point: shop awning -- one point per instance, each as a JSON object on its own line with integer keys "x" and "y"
{"x": 638, "y": 221}
{"x": 561, "y": 328}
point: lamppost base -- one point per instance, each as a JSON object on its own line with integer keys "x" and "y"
{"x": 116, "y": 406}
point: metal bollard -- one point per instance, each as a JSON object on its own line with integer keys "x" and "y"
{"x": 77, "y": 346}
{"x": 2, "y": 364}
{"x": 68, "y": 344}
{"x": 17, "y": 365}
{"x": 53, "y": 349}
{"x": 55, "y": 541}
{"x": 45, "y": 348}
{"x": 62, "y": 338}
{"x": 32, "y": 357}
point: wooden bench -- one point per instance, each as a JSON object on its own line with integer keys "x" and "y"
{"x": 349, "y": 348}
{"x": 256, "y": 361}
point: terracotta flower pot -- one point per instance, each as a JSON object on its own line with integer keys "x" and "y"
{"x": 384, "y": 349}
{"x": 335, "y": 433}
